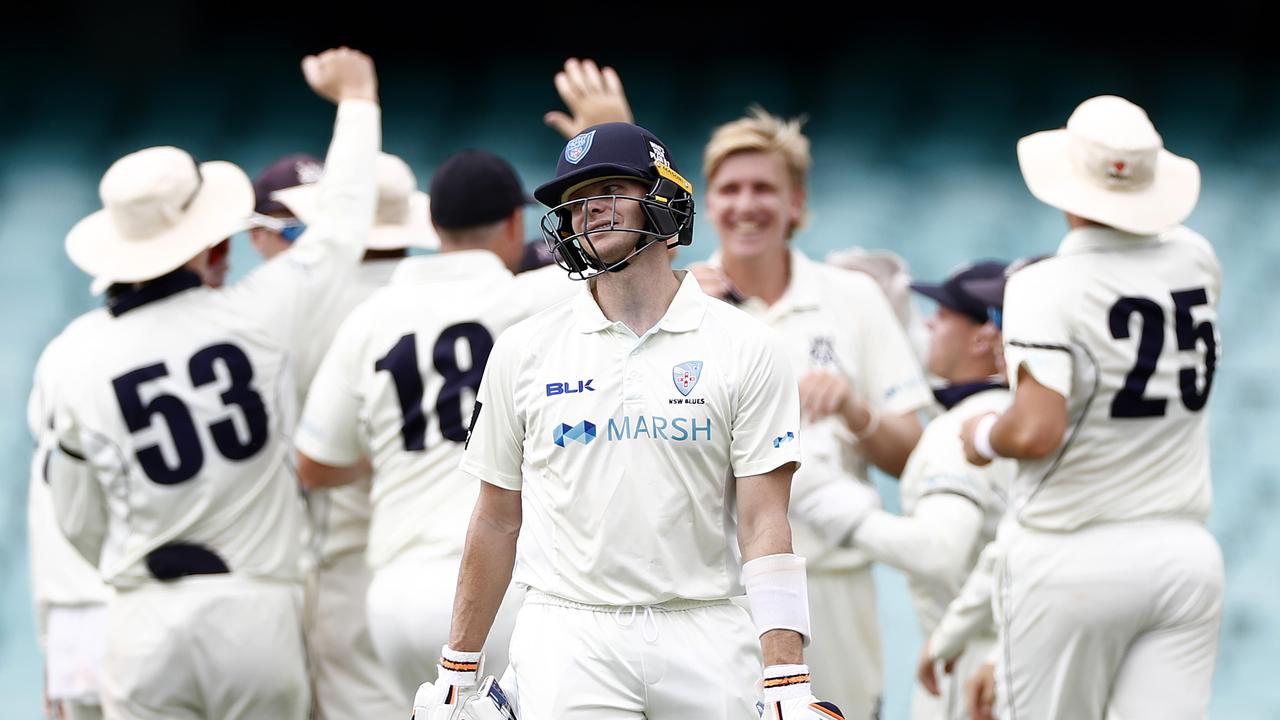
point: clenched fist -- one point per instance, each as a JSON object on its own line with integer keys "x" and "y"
{"x": 341, "y": 74}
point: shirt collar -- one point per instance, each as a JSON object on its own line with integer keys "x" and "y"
{"x": 950, "y": 396}
{"x": 802, "y": 287}
{"x": 683, "y": 315}
{"x": 424, "y": 269}
{"x": 801, "y": 293}
{"x": 158, "y": 289}
{"x": 1094, "y": 238}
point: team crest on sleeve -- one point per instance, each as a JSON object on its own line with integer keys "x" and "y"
{"x": 686, "y": 375}
{"x": 578, "y": 147}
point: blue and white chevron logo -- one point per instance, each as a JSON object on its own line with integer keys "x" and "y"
{"x": 783, "y": 439}
{"x": 584, "y": 432}
{"x": 578, "y": 147}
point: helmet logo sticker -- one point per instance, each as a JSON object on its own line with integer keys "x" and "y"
{"x": 578, "y": 147}
{"x": 658, "y": 154}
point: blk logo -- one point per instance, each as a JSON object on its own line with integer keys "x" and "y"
{"x": 568, "y": 388}
{"x": 584, "y": 432}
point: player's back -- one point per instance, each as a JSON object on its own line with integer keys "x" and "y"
{"x": 183, "y": 408}
{"x": 1137, "y": 316}
{"x": 399, "y": 386}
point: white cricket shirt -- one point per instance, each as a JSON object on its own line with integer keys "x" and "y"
{"x": 1124, "y": 327}
{"x": 59, "y": 574}
{"x": 625, "y": 448}
{"x": 181, "y": 400}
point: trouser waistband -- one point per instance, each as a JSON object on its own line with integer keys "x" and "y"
{"x": 538, "y": 597}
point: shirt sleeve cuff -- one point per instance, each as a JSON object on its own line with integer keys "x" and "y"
{"x": 322, "y": 452}
{"x": 506, "y": 481}
{"x": 760, "y": 467}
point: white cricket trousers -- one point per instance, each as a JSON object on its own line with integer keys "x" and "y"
{"x": 349, "y": 682}
{"x": 1116, "y": 620}
{"x": 680, "y": 660}
{"x": 410, "y": 608}
{"x": 206, "y": 646}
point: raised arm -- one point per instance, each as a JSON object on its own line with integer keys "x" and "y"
{"x": 291, "y": 291}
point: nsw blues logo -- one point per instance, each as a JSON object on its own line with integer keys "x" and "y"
{"x": 578, "y": 147}
{"x": 584, "y": 432}
{"x": 686, "y": 375}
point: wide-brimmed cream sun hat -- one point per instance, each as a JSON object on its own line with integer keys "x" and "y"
{"x": 1109, "y": 165}
{"x": 160, "y": 208}
{"x": 402, "y": 218}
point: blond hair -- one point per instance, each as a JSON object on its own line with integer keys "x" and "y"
{"x": 760, "y": 131}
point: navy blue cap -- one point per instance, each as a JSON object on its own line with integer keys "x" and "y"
{"x": 957, "y": 292}
{"x": 605, "y": 150}
{"x": 289, "y": 171}
{"x": 474, "y": 187}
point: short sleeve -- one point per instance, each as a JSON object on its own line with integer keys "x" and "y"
{"x": 78, "y": 500}
{"x": 328, "y": 431}
{"x": 1037, "y": 333}
{"x": 494, "y": 450}
{"x": 766, "y": 426}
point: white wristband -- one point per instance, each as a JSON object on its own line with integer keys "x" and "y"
{"x": 778, "y": 593}
{"x": 785, "y": 682}
{"x": 982, "y": 436}
{"x": 459, "y": 668}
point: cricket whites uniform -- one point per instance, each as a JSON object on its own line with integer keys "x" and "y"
{"x": 625, "y": 450}
{"x": 1110, "y": 595}
{"x": 950, "y": 511}
{"x": 398, "y": 386}
{"x": 172, "y": 414}
{"x": 839, "y": 321}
